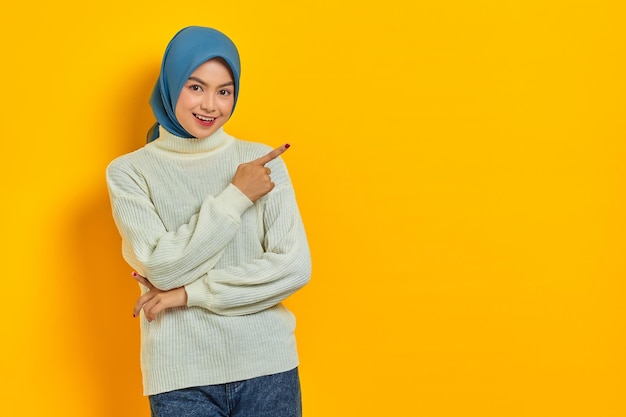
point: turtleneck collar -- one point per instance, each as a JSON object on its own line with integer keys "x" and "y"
{"x": 171, "y": 143}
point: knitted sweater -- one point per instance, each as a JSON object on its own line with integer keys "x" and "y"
{"x": 184, "y": 224}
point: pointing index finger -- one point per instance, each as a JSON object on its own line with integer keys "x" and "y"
{"x": 271, "y": 155}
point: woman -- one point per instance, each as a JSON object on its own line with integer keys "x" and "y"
{"x": 211, "y": 225}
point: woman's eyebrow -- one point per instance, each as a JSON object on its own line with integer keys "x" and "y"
{"x": 199, "y": 81}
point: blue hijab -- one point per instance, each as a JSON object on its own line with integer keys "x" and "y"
{"x": 188, "y": 49}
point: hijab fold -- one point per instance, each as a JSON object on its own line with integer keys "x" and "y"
{"x": 188, "y": 49}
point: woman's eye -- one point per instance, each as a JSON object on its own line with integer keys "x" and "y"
{"x": 196, "y": 88}
{"x": 224, "y": 92}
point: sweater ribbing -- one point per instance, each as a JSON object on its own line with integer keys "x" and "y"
{"x": 184, "y": 224}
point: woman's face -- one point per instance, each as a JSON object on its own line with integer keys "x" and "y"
{"x": 206, "y": 100}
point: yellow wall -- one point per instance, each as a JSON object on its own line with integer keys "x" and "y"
{"x": 460, "y": 169}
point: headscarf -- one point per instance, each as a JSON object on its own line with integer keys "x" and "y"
{"x": 188, "y": 49}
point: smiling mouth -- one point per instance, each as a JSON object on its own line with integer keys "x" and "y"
{"x": 205, "y": 119}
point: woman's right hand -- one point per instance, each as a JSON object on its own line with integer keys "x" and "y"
{"x": 253, "y": 178}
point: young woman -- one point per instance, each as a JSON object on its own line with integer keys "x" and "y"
{"x": 211, "y": 225}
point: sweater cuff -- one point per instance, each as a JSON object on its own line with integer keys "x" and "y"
{"x": 235, "y": 199}
{"x": 198, "y": 294}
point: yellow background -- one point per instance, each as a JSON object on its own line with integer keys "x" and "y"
{"x": 459, "y": 167}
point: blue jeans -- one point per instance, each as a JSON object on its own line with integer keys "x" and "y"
{"x": 266, "y": 396}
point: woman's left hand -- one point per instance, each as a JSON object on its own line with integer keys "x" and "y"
{"x": 155, "y": 300}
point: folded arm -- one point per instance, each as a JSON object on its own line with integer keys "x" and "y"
{"x": 174, "y": 258}
{"x": 282, "y": 269}
{"x": 171, "y": 258}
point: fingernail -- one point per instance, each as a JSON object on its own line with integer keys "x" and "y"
{"x": 134, "y": 315}
{"x": 134, "y": 274}
{"x": 287, "y": 146}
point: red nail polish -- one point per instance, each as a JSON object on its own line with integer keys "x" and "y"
{"x": 287, "y": 146}
{"x": 134, "y": 274}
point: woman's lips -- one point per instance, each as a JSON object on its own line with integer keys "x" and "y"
{"x": 205, "y": 121}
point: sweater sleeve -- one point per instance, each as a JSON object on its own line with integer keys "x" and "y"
{"x": 261, "y": 283}
{"x": 171, "y": 258}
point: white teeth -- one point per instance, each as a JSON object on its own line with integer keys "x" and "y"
{"x": 205, "y": 119}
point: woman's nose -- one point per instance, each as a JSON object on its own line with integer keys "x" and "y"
{"x": 208, "y": 103}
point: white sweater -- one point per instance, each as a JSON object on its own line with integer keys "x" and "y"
{"x": 184, "y": 224}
